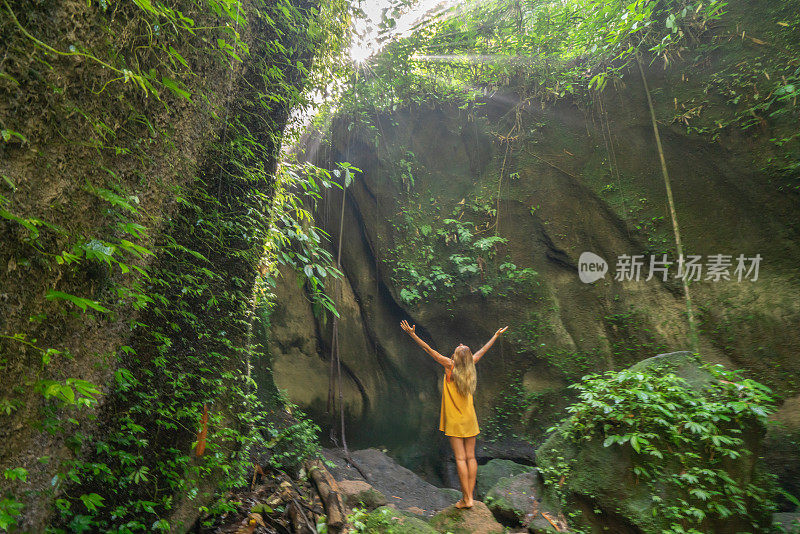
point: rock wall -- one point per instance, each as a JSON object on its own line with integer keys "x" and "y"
{"x": 571, "y": 178}
{"x": 119, "y": 131}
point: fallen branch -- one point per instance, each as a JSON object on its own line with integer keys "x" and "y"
{"x": 328, "y": 491}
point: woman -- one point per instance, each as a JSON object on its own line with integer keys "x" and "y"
{"x": 457, "y": 418}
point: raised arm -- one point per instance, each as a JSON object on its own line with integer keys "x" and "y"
{"x": 478, "y": 355}
{"x": 411, "y": 331}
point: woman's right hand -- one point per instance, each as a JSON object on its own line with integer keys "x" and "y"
{"x": 497, "y": 334}
{"x": 409, "y": 329}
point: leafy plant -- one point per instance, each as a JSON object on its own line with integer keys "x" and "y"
{"x": 684, "y": 441}
{"x": 191, "y": 286}
{"x": 471, "y": 265}
{"x": 543, "y": 50}
{"x": 10, "y": 510}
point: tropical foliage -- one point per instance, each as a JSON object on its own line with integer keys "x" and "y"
{"x": 546, "y": 49}
{"x": 685, "y": 441}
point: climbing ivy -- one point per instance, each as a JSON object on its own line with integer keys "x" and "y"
{"x": 182, "y": 290}
{"x": 474, "y": 263}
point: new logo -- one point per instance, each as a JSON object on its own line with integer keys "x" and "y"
{"x": 591, "y": 267}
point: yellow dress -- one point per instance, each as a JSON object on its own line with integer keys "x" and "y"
{"x": 457, "y": 417}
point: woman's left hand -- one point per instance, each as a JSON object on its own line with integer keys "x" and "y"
{"x": 409, "y": 329}
{"x": 497, "y": 334}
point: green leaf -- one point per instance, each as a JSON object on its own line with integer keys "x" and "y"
{"x": 17, "y": 473}
{"x": 9, "y": 182}
{"x": 135, "y": 249}
{"x": 29, "y": 224}
{"x": 174, "y": 53}
{"x": 92, "y": 501}
{"x": 98, "y": 250}
{"x": 10, "y": 508}
{"x": 110, "y": 196}
{"x": 146, "y": 5}
{"x": 261, "y": 508}
{"x": 80, "y": 302}
{"x": 67, "y": 394}
{"x": 176, "y": 88}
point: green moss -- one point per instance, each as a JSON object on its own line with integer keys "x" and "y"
{"x": 450, "y": 520}
{"x": 387, "y": 520}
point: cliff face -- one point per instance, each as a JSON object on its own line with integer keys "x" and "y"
{"x": 132, "y": 224}
{"x": 421, "y": 243}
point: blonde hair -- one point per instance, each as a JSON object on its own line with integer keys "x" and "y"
{"x": 464, "y": 371}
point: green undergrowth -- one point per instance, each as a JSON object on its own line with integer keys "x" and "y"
{"x": 541, "y": 50}
{"x": 475, "y": 259}
{"x": 179, "y": 291}
{"x": 689, "y": 445}
{"x": 387, "y": 520}
{"x": 746, "y": 82}
{"x": 521, "y": 414}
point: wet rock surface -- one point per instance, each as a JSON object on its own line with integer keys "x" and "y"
{"x": 490, "y": 473}
{"x": 402, "y": 488}
{"x": 520, "y": 500}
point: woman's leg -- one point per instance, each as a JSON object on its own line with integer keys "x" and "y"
{"x": 472, "y": 466}
{"x": 461, "y": 467}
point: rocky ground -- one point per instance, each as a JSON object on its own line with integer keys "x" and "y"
{"x": 511, "y": 494}
{"x": 368, "y": 491}
{"x": 379, "y": 496}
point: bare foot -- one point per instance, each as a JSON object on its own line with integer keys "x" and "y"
{"x": 462, "y": 504}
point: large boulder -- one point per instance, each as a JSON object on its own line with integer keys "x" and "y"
{"x": 596, "y": 476}
{"x": 520, "y": 499}
{"x": 475, "y": 520}
{"x": 494, "y": 470}
{"x": 401, "y": 487}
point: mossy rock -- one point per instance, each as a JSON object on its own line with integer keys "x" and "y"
{"x": 475, "y": 520}
{"x": 360, "y": 493}
{"x": 601, "y": 485}
{"x": 451, "y": 493}
{"x": 518, "y": 499}
{"x": 540, "y": 525}
{"x": 388, "y": 520}
{"x": 494, "y": 470}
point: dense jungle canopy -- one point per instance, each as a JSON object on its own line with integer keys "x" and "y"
{"x": 214, "y": 215}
